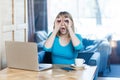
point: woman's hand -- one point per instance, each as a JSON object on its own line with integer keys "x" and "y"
{"x": 57, "y": 24}
{"x": 68, "y": 23}
{"x": 49, "y": 42}
{"x": 74, "y": 38}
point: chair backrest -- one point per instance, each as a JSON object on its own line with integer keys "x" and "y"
{"x": 40, "y": 36}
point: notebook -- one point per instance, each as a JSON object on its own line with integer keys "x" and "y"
{"x": 23, "y": 55}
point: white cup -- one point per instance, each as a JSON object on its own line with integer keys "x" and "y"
{"x": 79, "y": 62}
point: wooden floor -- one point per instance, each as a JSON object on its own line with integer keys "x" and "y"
{"x": 108, "y": 78}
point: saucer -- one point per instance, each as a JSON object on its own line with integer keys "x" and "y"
{"x": 78, "y": 67}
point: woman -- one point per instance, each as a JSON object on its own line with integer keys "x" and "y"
{"x": 63, "y": 42}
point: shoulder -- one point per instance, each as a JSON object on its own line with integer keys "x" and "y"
{"x": 78, "y": 35}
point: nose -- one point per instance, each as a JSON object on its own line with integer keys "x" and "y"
{"x": 62, "y": 23}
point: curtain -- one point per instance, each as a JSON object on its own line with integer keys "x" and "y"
{"x": 31, "y": 24}
{"x": 37, "y": 17}
{"x": 40, "y": 9}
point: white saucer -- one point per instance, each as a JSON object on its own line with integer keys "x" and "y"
{"x": 78, "y": 67}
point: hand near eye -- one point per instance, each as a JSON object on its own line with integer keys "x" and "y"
{"x": 57, "y": 25}
{"x": 68, "y": 23}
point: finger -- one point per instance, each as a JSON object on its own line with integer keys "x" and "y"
{"x": 58, "y": 20}
{"x": 57, "y": 25}
{"x": 68, "y": 22}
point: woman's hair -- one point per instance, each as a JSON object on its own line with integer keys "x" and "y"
{"x": 68, "y": 15}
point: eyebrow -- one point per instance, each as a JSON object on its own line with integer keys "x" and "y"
{"x": 66, "y": 16}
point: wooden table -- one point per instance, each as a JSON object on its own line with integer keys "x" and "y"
{"x": 56, "y": 73}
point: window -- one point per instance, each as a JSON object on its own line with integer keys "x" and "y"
{"x": 95, "y": 18}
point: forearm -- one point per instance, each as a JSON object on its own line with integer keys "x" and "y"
{"x": 49, "y": 42}
{"x": 74, "y": 38}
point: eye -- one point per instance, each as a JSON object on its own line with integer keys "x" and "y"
{"x": 58, "y": 21}
{"x": 67, "y": 21}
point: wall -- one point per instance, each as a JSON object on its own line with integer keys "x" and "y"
{"x": 13, "y": 24}
{"x": 0, "y": 34}
{"x": 55, "y": 6}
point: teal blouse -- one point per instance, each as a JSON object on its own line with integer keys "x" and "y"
{"x": 64, "y": 54}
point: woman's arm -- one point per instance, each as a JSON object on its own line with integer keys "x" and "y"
{"x": 74, "y": 38}
{"x": 49, "y": 42}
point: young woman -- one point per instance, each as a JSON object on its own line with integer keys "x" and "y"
{"x": 63, "y": 43}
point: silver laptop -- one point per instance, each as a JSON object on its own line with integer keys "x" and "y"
{"x": 23, "y": 55}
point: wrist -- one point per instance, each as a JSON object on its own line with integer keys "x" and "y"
{"x": 55, "y": 32}
{"x": 70, "y": 29}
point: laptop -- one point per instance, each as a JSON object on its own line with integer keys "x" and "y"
{"x": 23, "y": 55}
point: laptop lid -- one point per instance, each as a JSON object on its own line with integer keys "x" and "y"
{"x": 22, "y": 55}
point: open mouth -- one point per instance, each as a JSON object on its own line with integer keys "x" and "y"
{"x": 62, "y": 29}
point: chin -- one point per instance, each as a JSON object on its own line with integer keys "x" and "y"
{"x": 63, "y": 33}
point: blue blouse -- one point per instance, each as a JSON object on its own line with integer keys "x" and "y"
{"x": 64, "y": 54}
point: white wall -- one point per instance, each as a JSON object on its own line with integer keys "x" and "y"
{"x": 55, "y": 6}
{"x": 83, "y": 12}
{"x": 13, "y": 24}
{"x": 0, "y": 34}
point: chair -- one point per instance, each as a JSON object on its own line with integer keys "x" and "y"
{"x": 104, "y": 49}
{"x": 91, "y": 58}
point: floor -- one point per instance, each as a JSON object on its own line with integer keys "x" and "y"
{"x": 108, "y": 78}
{"x": 115, "y": 71}
{"x": 113, "y": 75}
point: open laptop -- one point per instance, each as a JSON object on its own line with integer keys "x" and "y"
{"x": 23, "y": 55}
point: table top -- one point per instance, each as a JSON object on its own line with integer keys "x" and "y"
{"x": 56, "y": 73}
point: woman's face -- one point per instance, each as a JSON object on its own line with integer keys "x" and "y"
{"x": 64, "y": 22}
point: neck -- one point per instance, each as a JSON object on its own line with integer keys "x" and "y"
{"x": 64, "y": 35}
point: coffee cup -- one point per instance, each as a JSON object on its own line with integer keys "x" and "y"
{"x": 79, "y": 62}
